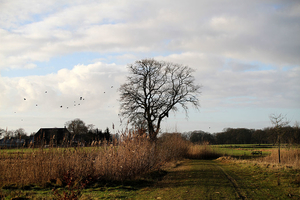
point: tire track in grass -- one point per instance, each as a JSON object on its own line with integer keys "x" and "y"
{"x": 234, "y": 183}
{"x": 193, "y": 179}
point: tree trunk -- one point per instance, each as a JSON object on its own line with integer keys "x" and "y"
{"x": 152, "y": 134}
{"x": 279, "y": 148}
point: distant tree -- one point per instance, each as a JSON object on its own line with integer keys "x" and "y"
{"x": 90, "y": 127}
{"x": 279, "y": 122}
{"x": 140, "y": 125}
{"x": 288, "y": 137}
{"x": 107, "y": 134}
{"x": 201, "y": 136}
{"x": 153, "y": 89}
{"x": 76, "y": 127}
{"x": 100, "y": 135}
{"x": 243, "y": 135}
{"x": 20, "y": 133}
{"x": 259, "y": 136}
{"x": 234, "y": 136}
{"x": 297, "y": 132}
{"x": 8, "y": 134}
{"x": 2, "y": 132}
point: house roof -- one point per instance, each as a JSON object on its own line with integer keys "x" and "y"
{"x": 52, "y": 129}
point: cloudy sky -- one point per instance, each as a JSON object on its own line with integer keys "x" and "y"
{"x": 246, "y": 55}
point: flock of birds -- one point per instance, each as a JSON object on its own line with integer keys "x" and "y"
{"x": 80, "y": 99}
{"x": 75, "y": 103}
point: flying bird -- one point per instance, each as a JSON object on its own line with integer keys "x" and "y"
{"x": 80, "y": 98}
{"x": 61, "y": 106}
{"x": 24, "y": 99}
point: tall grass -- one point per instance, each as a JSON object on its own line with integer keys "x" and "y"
{"x": 130, "y": 157}
{"x": 133, "y": 156}
{"x": 41, "y": 166}
{"x": 173, "y": 146}
{"x": 203, "y": 151}
{"x": 288, "y": 157}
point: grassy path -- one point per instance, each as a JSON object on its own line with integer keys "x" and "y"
{"x": 211, "y": 179}
{"x": 194, "y": 179}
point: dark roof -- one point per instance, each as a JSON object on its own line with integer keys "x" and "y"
{"x": 53, "y": 129}
{"x": 48, "y": 133}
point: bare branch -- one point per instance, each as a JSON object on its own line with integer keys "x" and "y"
{"x": 154, "y": 89}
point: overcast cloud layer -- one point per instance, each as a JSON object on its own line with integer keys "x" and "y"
{"x": 246, "y": 56}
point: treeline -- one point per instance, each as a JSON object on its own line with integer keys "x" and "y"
{"x": 289, "y": 135}
{"x": 88, "y": 136}
{"x": 17, "y": 134}
{"x": 96, "y": 135}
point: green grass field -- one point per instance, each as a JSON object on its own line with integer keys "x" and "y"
{"x": 242, "y": 150}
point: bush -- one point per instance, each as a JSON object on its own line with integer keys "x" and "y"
{"x": 202, "y": 152}
{"x": 173, "y": 146}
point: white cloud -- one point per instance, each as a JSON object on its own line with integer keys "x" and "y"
{"x": 235, "y": 84}
{"x": 246, "y": 53}
{"x": 245, "y": 31}
{"x": 64, "y": 88}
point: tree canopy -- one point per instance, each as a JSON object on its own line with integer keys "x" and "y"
{"x": 76, "y": 127}
{"x": 153, "y": 89}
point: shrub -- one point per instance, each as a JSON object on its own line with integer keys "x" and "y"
{"x": 173, "y": 146}
{"x": 289, "y": 157}
{"x": 202, "y": 152}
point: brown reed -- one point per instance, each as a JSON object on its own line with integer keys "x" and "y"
{"x": 130, "y": 157}
{"x": 288, "y": 157}
{"x": 203, "y": 151}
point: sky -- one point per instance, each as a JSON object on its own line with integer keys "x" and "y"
{"x": 68, "y": 59}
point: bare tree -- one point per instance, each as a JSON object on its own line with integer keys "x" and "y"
{"x": 19, "y": 133}
{"x": 76, "y": 127}
{"x": 153, "y": 89}
{"x": 2, "y": 132}
{"x": 279, "y": 121}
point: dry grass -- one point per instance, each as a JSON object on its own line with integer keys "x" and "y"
{"x": 128, "y": 158}
{"x": 173, "y": 146}
{"x": 203, "y": 151}
{"x": 134, "y": 156}
{"x": 288, "y": 157}
{"x": 41, "y": 166}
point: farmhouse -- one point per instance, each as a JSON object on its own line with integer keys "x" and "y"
{"x": 52, "y": 136}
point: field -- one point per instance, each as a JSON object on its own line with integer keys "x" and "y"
{"x": 202, "y": 172}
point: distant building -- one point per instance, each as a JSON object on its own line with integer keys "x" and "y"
{"x": 52, "y": 137}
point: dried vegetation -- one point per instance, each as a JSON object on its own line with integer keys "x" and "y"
{"x": 289, "y": 158}
{"x": 130, "y": 157}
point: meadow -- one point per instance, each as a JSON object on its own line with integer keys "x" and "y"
{"x": 135, "y": 168}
